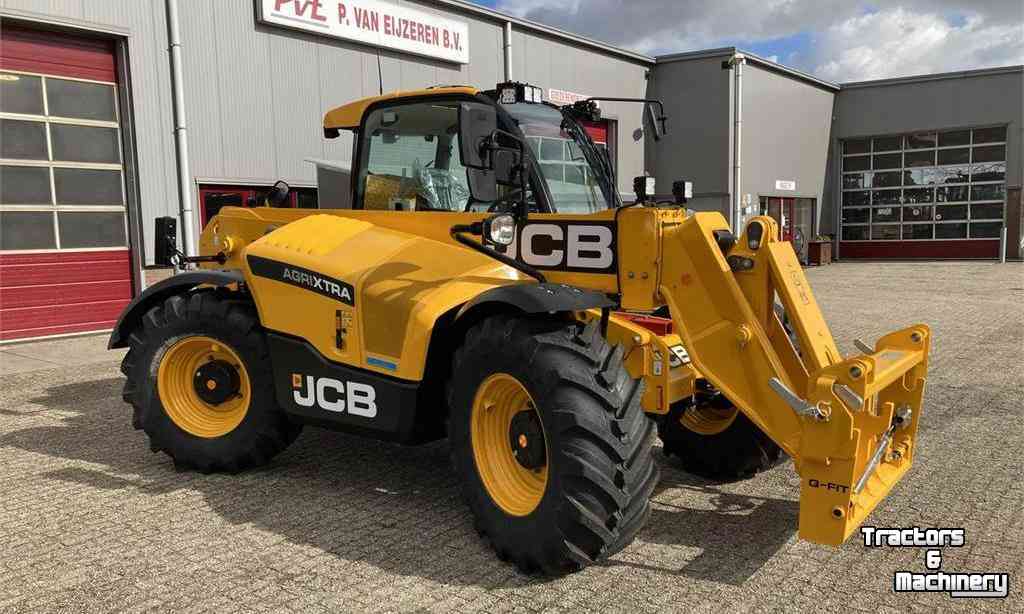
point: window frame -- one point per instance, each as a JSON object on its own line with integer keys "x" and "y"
{"x": 362, "y": 140}
{"x": 50, "y": 164}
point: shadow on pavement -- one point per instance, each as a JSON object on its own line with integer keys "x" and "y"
{"x": 736, "y": 534}
{"x": 392, "y": 507}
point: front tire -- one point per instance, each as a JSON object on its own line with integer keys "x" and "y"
{"x": 200, "y": 384}
{"x": 549, "y": 441}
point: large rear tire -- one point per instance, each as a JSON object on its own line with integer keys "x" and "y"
{"x": 200, "y": 383}
{"x": 550, "y": 442}
{"x": 713, "y": 439}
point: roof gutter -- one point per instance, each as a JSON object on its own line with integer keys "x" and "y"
{"x": 728, "y": 52}
{"x": 736, "y": 214}
{"x": 508, "y": 50}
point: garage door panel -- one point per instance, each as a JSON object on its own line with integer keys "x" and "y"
{"x": 39, "y": 296}
{"x": 929, "y": 250}
{"x": 53, "y": 293}
{"x": 68, "y": 56}
{"x": 98, "y": 315}
{"x": 79, "y": 277}
{"x": 63, "y": 268}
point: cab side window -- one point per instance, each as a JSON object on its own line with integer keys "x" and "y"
{"x": 411, "y": 159}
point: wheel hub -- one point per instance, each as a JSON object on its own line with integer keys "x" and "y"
{"x": 526, "y": 437}
{"x": 509, "y": 449}
{"x": 216, "y": 381}
{"x": 203, "y": 386}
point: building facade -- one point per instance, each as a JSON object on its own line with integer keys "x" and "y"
{"x": 94, "y": 146}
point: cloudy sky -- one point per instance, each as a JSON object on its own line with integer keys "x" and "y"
{"x": 839, "y": 40}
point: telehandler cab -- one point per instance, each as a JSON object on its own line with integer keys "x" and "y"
{"x": 518, "y": 308}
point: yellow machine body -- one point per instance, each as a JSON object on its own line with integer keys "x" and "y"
{"x": 396, "y": 280}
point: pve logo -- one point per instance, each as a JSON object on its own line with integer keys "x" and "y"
{"x": 567, "y": 246}
{"x": 334, "y": 395}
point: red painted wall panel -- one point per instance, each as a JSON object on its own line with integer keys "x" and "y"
{"x": 978, "y": 248}
{"x": 60, "y": 292}
{"x": 56, "y": 54}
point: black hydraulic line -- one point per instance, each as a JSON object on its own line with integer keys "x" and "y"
{"x": 456, "y": 233}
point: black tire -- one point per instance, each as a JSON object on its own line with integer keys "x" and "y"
{"x": 601, "y": 471}
{"x": 738, "y": 452}
{"x": 263, "y": 432}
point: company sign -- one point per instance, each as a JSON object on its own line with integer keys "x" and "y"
{"x": 784, "y": 184}
{"x": 563, "y": 97}
{"x": 380, "y": 24}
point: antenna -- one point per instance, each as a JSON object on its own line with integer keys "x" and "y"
{"x": 380, "y": 76}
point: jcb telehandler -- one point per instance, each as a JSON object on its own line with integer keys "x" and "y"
{"x": 488, "y": 285}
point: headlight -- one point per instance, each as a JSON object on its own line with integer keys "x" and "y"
{"x": 500, "y": 229}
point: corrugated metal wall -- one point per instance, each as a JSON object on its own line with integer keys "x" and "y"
{"x": 786, "y": 127}
{"x": 255, "y": 94}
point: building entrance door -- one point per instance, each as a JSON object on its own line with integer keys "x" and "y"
{"x": 796, "y": 220}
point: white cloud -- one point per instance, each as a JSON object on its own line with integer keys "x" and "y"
{"x": 898, "y": 41}
{"x": 849, "y": 40}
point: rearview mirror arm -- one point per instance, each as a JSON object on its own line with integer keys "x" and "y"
{"x": 523, "y": 208}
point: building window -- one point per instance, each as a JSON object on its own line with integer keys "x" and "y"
{"x": 61, "y": 167}
{"x": 924, "y": 186}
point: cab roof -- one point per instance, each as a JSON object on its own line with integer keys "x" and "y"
{"x": 348, "y": 116}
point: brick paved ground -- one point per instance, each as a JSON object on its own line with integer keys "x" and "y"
{"x": 91, "y": 520}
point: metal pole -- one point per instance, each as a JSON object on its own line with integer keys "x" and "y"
{"x": 188, "y": 225}
{"x": 1002, "y": 245}
{"x": 738, "y": 61}
{"x": 508, "y": 51}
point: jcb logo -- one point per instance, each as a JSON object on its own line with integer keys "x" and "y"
{"x": 330, "y": 394}
{"x": 567, "y": 246}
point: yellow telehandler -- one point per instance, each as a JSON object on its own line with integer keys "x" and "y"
{"x": 489, "y": 286}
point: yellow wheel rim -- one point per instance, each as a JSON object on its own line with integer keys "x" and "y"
{"x": 514, "y": 488}
{"x": 707, "y": 420}
{"x": 176, "y": 385}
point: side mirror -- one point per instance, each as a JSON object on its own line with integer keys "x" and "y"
{"x": 482, "y": 185}
{"x": 655, "y": 119}
{"x": 278, "y": 194}
{"x": 477, "y": 122}
{"x": 165, "y": 241}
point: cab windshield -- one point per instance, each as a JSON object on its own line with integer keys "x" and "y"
{"x": 577, "y": 173}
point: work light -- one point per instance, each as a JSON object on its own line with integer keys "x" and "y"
{"x": 500, "y": 229}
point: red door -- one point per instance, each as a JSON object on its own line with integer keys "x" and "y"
{"x": 65, "y": 264}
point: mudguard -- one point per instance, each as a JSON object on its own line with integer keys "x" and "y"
{"x": 159, "y": 292}
{"x": 540, "y": 298}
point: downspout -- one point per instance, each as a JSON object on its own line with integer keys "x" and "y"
{"x": 508, "y": 50}
{"x": 188, "y": 235}
{"x": 738, "y": 60}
